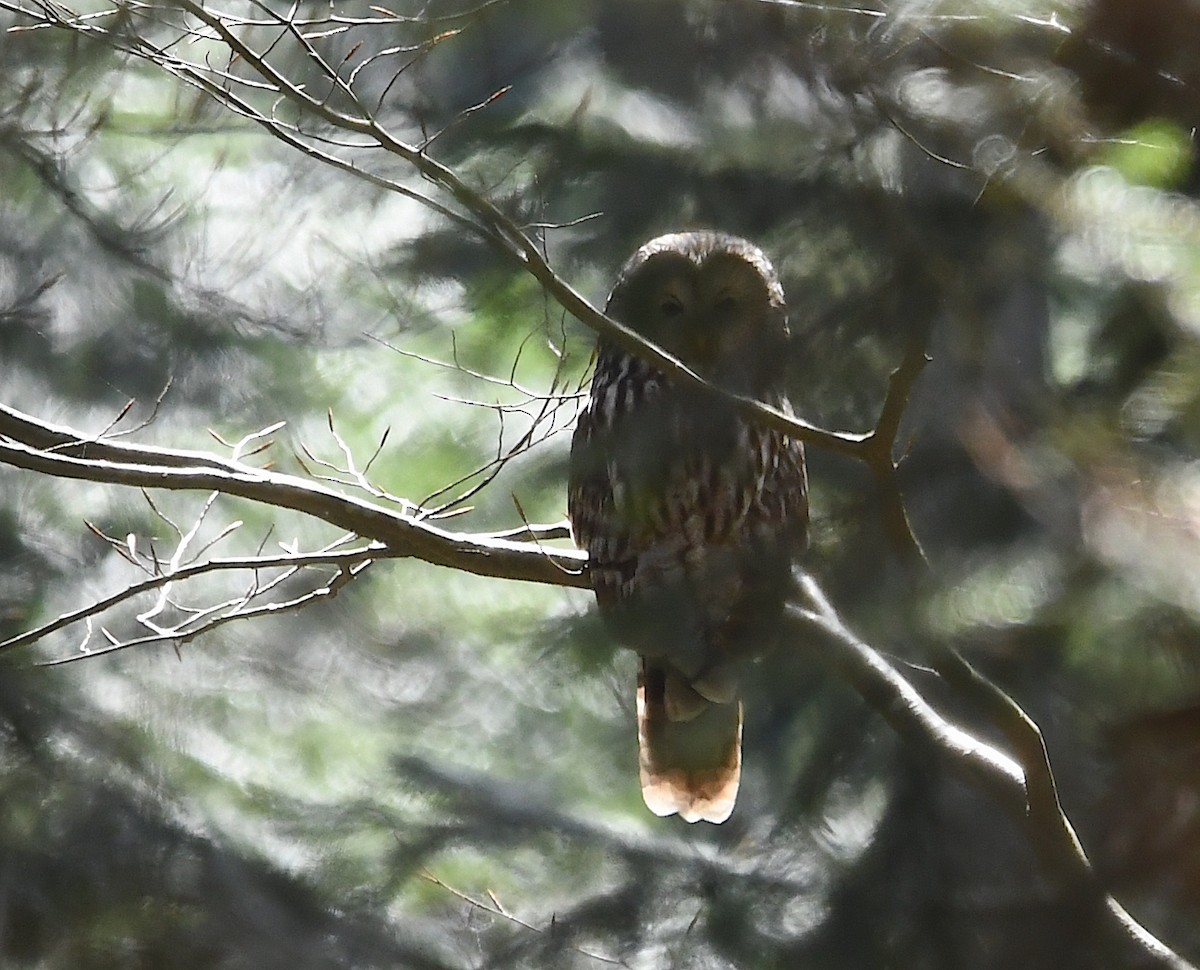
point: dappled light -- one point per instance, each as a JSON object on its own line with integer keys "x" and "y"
{"x": 299, "y": 307}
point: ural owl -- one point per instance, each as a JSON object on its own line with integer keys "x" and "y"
{"x": 690, "y": 515}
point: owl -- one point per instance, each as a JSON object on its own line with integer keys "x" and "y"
{"x": 691, "y": 515}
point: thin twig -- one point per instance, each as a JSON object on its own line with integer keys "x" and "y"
{"x": 497, "y": 910}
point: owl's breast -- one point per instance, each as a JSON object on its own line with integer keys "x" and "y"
{"x": 674, "y": 470}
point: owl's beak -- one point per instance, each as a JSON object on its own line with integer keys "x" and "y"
{"x": 705, "y": 345}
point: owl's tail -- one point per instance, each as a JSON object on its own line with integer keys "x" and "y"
{"x": 689, "y": 748}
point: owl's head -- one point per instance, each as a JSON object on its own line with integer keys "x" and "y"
{"x": 714, "y": 301}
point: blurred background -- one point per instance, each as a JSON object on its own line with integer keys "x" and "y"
{"x": 438, "y": 770}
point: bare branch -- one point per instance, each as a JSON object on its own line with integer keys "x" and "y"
{"x": 340, "y": 559}
{"x": 1023, "y": 787}
{"x": 879, "y": 449}
{"x": 28, "y": 443}
{"x": 179, "y": 636}
{"x": 485, "y": 218}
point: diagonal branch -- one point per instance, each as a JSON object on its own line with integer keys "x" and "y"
{"x": 218, "y": 615}
{"x": 1023, "y": 786}
{"x": 874, "y": 448}
{"x": 495, "y": 909}
{"x": 487, "y": 219}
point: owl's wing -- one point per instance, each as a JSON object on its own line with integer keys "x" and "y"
{"x": 786, "y": 492}
{"x": 794, "y": 489}
{"x": 622, "y": 447}
{"x": 587, "y": 493}
{"x": 590, "y": 507}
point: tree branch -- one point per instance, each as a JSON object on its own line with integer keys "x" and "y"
{"x": 879, "y": 449}
{"x": 490, "y": 222}
{"x": 28, "y": 443}
{"x": 343, "y": 560}
{"x": 874, "y": 448}
{"x": 1023, "y": 787}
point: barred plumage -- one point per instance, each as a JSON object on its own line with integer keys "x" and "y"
{"x": 690, "y": 515}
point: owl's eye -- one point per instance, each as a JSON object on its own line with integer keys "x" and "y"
{"x": 671, "y": 306}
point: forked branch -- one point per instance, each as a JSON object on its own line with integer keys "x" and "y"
{"x": 1022, "y": 785}
{"x": 475, "y": 211}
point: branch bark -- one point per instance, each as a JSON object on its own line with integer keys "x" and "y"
{"x": 1021, "y": 782}
{"x": 1023, "y": 786}
{"x": 26, "y": 442}
{"x": 483, "y": 216}
{"x": 874, "y": 448}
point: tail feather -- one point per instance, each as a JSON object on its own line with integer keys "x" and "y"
{"x": 690, "y": 753}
